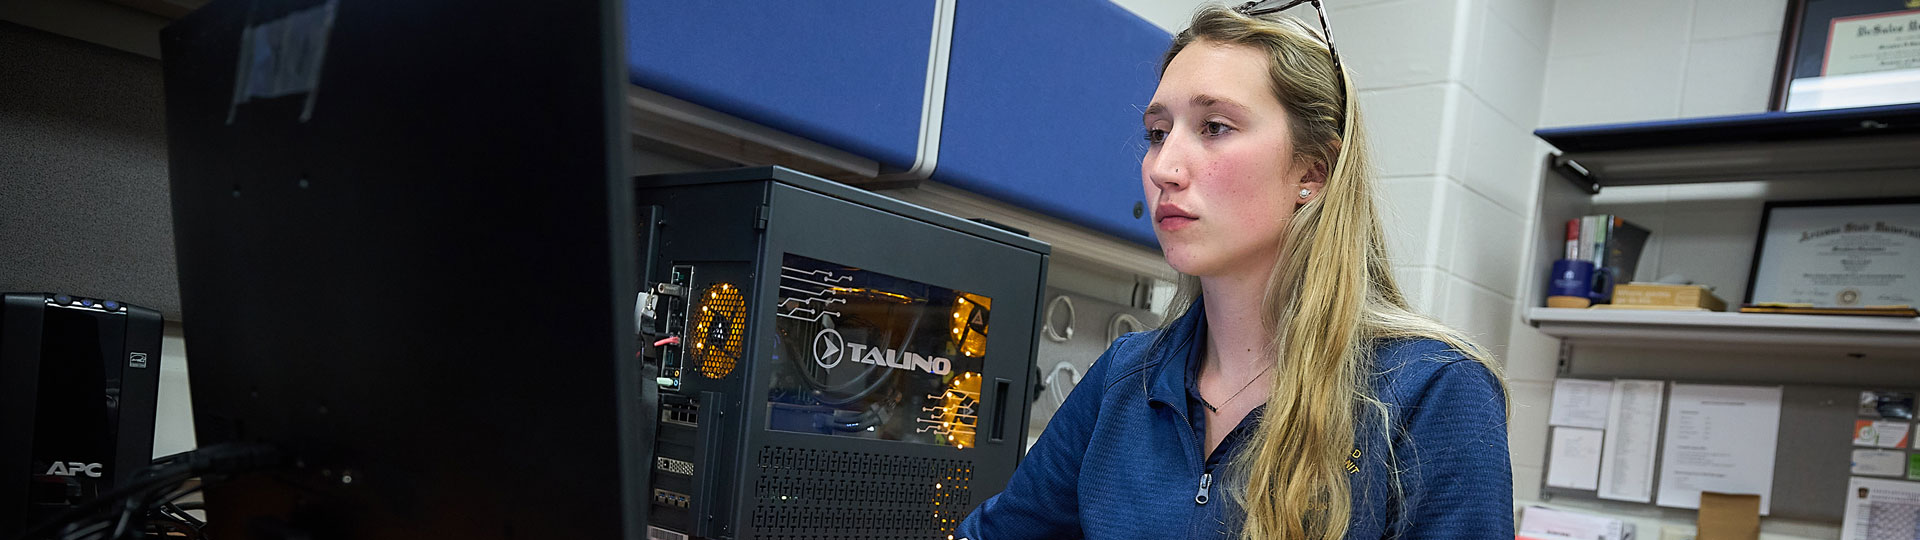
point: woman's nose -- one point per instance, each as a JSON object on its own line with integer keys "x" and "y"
{"x": 1167, "y": 167}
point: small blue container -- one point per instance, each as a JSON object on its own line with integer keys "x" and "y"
{"x": 1572, "y": 284}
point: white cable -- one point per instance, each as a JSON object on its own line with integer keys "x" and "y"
{"x": 1053, "y": 385}
{"x": 1121, "y": 324}
{"x": 1054, "y": 334}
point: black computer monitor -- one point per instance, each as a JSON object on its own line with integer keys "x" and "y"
{"x": 406, "y": 249}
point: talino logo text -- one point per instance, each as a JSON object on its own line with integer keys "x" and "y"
{"x": 74, "y": 468}
{"x": 829, "y": 349}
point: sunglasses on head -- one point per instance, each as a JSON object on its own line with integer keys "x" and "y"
{"x": 1256, "y": 9}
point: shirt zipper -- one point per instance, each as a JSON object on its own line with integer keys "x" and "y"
{"x": 1206, "y": 481}
{"x": 1199, "y": 458}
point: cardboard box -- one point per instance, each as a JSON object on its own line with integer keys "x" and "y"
{"x": 1726, "y": 516}
{"x": 1654, "y": 294}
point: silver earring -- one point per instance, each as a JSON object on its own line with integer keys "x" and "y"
{"x": 1305, "y": 192}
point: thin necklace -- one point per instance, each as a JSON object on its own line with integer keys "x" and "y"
{"x": 1210, "y": 407}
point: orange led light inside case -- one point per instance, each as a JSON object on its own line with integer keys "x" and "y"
{"x": 958, "y": 417}
{"x": 719, "y": 331}
{"x": 968, "y": 326}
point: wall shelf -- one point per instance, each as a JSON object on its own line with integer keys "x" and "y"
{"x": 1728, "y": 331}
{"x": 1811, "y": 145}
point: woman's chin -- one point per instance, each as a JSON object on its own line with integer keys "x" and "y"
{"x": 1186, "y": 261}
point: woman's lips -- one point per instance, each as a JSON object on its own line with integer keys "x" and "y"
{"x": 1172, "y": 218}
{"x": 1175, "y": 223}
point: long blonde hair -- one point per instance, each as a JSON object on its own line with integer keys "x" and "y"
{"x": 1329, "y": 299}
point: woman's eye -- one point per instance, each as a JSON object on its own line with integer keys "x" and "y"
{"x": 1215, "y": 128}
{"x": 1156, "y": 136}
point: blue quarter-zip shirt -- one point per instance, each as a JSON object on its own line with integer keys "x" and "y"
{"x": 1122, "y": 457}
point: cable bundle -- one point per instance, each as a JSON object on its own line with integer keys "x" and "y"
{"x": 128, "y": 511}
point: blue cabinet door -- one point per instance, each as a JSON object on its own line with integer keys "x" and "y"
{"x": 1043, "y": 108}
{"x": 850, "y": 74}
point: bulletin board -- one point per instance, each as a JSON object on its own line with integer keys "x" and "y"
{"x": 1812, "y": 460}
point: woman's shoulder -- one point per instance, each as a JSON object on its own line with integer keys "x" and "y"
{"x": 1129, "y": 355}
{"x": 1407, "y": 369}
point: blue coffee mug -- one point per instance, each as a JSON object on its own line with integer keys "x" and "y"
{"x": 1571, "y": 277}
{"x": 1602, "y": 290}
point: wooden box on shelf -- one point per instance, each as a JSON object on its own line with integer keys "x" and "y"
{"x": 1665, "y": 296}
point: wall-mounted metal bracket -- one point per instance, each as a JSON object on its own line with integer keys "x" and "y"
{"x": 1573, "y": 172}
{"x": 1565, "y": 366}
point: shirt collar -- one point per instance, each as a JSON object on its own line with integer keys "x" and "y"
{"x": 1175, "y": 355}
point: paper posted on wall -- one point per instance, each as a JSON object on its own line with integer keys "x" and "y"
{"x": 1574, "y": 458}
{"x": 1631, "y": 441}
{"x": 1870, "y": 462}
{"x": 1720, "y": 439}
{"x": 1881, "y": 510}
{"x": 1880, "y": 433}
{"x": 1581, "y": 403}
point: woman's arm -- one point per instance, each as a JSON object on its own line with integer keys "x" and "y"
{"x": 1461, "y": 486}
{"x": 1042, "y": 499}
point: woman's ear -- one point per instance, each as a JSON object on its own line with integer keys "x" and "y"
{"x": 1314, "y": 180}
{"x": 1316, "y": 177}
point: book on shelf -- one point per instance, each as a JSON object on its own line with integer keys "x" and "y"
{"x": 1809, "y": 309}
{"x": 1612, "y": 244}
{"x": 1573, "y": 239}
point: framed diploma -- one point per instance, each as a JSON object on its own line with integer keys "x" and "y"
{"x": 1840, "y": 253}
{"x": 1848, "y": 53}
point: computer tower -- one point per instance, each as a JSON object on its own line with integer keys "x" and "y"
{"x": 79, "y": 379}
{"x": 846, "y": 365}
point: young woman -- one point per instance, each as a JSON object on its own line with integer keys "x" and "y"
{"x": 1297, "y": 396}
